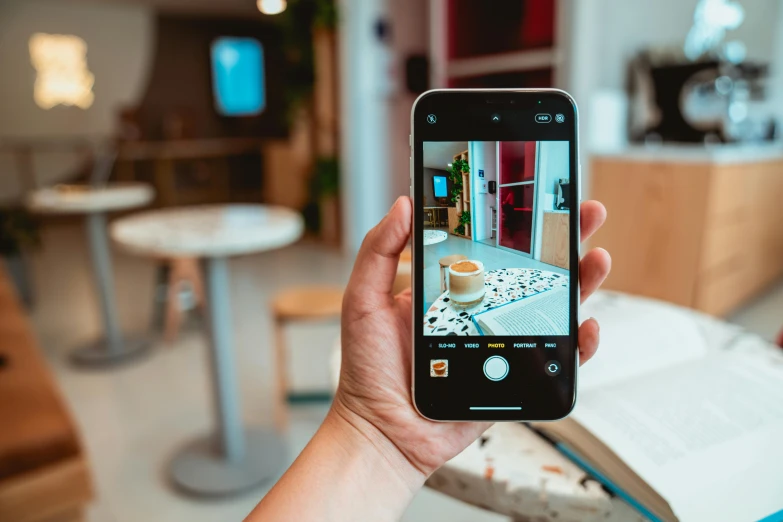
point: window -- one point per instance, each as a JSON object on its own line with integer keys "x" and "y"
{"x": 238, "y": 76}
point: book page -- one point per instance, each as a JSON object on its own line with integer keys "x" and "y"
{"x": 628, "y": 348}
{"x": 705, "y": 434}
{"x": 545, "y": 313}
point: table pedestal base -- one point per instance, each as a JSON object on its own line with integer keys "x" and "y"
{"x": 102, "y": 354}
{"x": 199, "y": 468}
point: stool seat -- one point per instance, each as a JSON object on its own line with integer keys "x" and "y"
{"x": 450, "y": 260}
{"x": 308, "y": 302}
{"x": 444, "y": 263}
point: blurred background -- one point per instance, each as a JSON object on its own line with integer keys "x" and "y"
{"x": 171, "y": 169}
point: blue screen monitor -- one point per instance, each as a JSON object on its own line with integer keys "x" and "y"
{"x": 238, "y": 76}
{"x": 440, "y": 186}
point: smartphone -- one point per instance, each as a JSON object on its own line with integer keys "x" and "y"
{"x": 496, "y": 189}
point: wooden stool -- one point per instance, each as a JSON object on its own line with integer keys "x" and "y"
{"x": 445, "y": 262}
{"x": 308, "y": 303}
{"x": 403, "y": 278}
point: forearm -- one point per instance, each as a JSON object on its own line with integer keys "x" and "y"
{"x": 348, "y": 472}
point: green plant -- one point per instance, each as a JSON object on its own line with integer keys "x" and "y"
{"x": 455, "y": 176}
{"x": 324, "y": 183}
{"x": 18, "y": 230}
{"x": 297, "y": 24}
{"x": 464, "y": 219}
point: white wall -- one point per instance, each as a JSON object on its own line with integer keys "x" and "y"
{"x": 552, "y": 164}
{"x": 632, "y": 26}
{"x": 599, "y": 36}
{"x": 120, "y": 43}
{"x": 483, "y": 156}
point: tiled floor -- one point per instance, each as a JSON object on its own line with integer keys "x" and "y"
{"x": 134, "y": 418}
{"x": 492, "y": 257}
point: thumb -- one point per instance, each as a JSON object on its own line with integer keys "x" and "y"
{"x": 372, "y": 279}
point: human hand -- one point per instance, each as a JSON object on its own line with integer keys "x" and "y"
{"x": 374, "y": 395}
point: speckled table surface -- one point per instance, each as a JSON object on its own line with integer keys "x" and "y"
{"x": 85, "y": 199}
{"x": 512, "y": 471}
{"x": 434, "y": 236}
{"x": 501, "y": 286}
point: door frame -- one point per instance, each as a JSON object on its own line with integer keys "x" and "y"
{"x": 534, "y": 183}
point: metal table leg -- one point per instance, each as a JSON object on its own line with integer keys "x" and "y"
{"x": 113, "y": 348}
{"x": 234, "y": 458}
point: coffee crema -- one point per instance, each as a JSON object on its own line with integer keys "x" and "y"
{"x": 464, "y": 267}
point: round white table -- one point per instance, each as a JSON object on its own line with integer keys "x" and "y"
{"x": 95, "y": 202}
{"x": 501, "y": 287}
{"x": 434, "y": 236}
{"x": 235, "y": 457}
{"x": 512, "y": 471}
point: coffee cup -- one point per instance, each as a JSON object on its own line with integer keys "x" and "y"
{"x": 439, "y": 368}
{"x": 466, "y": 282}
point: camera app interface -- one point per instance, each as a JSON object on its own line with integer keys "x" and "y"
{"x": 495, "y": 242}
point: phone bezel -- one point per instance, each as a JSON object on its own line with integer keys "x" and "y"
{"x": 496, "y": 98}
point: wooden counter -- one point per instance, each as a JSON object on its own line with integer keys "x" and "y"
{"x": 704, "y": 234}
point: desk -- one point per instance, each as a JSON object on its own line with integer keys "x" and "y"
{"x": 234, "y": 458}
{"x": 437, "y": 219}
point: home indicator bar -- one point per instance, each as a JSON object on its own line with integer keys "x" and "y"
{"x": 496, "y": 407}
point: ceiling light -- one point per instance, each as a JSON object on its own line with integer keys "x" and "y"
{"x": 271, "y": 7}
{"x": 448, "y": 164}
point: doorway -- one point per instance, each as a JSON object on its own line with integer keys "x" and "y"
{"x": 516, "y": 196}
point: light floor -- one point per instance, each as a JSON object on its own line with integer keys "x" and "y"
{"x": 492, "y": 257}
{"x": 132, "y": 419}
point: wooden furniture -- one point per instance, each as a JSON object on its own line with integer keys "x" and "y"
{"x": 463, "y": 203}
{"x": 554, "y": 243}
{"x": 445, "y": 262}
{"x": 44, "y": 473}
{"x": 308, "y": 303}
{"x": 402, "y": 280}
{"x": 703, "y": 232}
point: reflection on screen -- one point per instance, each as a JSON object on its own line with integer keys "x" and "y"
{"x": 504, "y": 257}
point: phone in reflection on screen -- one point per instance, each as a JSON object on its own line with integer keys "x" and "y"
{"x": 495, "y": 186}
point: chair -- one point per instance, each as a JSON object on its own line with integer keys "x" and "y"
{"x": 445, "y": 262}
{"x": 299, "y": 304}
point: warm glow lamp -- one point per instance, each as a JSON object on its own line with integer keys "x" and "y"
{"x": 271, "y": 7}
{"x": 62, "y": 77}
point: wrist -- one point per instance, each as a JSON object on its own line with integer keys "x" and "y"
{"x": 355, "y": 435}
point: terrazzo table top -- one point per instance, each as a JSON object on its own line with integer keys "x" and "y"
{"x": 84, "y": 199}
{"x": 512, "y": 471}
{"x": 434, "y": 236}
{"x": 501, "y": 286}
{"x": 208, "y": 230}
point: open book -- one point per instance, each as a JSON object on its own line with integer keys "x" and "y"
{"x": 545, "y": 313}
{"x": 686, "y": 423}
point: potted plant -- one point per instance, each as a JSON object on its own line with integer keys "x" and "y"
{"x": 18, "y": 231}
{"x": 321, "y": 213}
{"x": 458, "y": 167}
{"x": 463, "y": 228}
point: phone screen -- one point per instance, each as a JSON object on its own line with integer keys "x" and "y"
{"x": 495, "y": 189}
